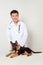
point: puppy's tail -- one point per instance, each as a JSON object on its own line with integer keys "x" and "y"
{"x": 36, "y": 52}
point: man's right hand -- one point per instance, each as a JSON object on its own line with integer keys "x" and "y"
{"x": 18, "y": 47}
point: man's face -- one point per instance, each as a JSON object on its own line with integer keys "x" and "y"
{"x": 15, "y": 17}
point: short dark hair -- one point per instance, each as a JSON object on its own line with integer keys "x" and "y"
{"x": 14, "y": 11}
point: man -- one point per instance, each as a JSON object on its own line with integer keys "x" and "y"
{"x": 17, "y": 29}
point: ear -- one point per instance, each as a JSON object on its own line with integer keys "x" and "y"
{"x": 16, "y": 42}
{"x": 11, "y": 43}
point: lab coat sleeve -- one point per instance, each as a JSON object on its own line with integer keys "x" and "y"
{"x": 8, "y": 33}
{"x": 24, "y": 37}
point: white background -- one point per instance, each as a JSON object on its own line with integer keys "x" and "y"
{"x": 31, "y": 12}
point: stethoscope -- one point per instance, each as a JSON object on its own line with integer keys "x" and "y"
{"x": 19, "y": 28}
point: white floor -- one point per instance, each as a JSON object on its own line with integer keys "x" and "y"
{"x": 35, "y": 59}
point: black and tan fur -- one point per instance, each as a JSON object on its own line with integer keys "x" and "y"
{"x": 23, "y": 50}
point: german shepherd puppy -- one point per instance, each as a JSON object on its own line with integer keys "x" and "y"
{"x": 23, "y": 50}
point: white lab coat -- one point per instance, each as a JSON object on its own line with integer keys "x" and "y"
{"x": 17, "y": 33}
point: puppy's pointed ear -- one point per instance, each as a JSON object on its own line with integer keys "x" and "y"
{"x": 16, "y": 42}
{"x": 11, "y": 42}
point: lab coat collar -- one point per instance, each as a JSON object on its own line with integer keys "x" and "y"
{"x": 17, "y": 23}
